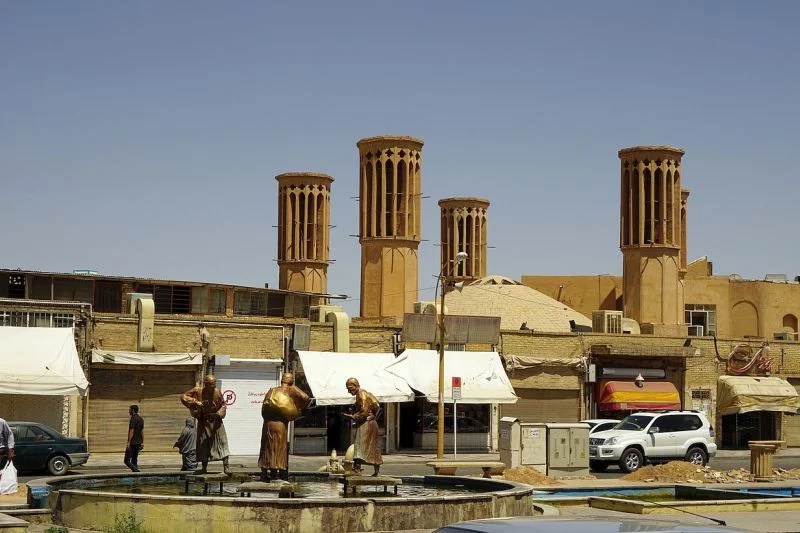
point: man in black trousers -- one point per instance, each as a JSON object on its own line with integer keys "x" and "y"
{"x": 135, "y": 439}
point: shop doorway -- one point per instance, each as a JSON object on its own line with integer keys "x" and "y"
{"x": 739, "y": 429}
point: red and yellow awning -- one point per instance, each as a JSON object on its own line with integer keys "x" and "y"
{"x": 626, "y": 395}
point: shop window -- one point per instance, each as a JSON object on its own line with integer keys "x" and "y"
{"x": 42, "y": 288}
{"x": 108, "y": 296}
{"x": 16, "y": 286}
{"x": 276, "y": 304}
{"x": 72, "y": 290}
{"x": 470, "y": 418}
{"x": 294, "y": 306}
{"x": 199, "y": 300}
{"x": 702, "y": 319}
{"x": 217, "y": 301}
{"x": 250, "y": 303}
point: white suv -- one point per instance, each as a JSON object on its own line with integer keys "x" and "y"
{"x": 653, "y": 437}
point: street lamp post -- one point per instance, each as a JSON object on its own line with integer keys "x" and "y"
{"x": 460, "y": 257}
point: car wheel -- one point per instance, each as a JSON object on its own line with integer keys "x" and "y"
{"x": 58, "y": 465}
{"x": 631, "y": 460}
{"x": 598, "y": 466}
{"x": 697, "y": 456}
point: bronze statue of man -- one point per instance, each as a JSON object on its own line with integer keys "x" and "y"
{"x": 367, "y": 441}
{"x": 206, "y": 404}
{"x": 281, "y": 405}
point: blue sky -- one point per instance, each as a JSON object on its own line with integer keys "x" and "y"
{"x": 142, "y": 138}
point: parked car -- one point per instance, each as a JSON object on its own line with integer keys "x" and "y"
{"x": 600, "y": 424}
{"x": 42, "y": 448}
{"x": 653, "y": 437}
{"x": 600, "y": 524}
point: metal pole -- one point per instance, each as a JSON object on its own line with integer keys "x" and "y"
{"x": 440, "y": 424}
{"x": 454, "y": 427}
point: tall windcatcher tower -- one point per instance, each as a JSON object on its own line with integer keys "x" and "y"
{"x": 390, "y": 170}
{"x": 304, "y": 218}
{"x": 651, "y": 235}
{"x": 463, "y": 230}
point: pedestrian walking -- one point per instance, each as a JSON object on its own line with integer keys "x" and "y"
{"x": 6, "y": 443}
{"x": 135, "y": 438}
{"x": 187, "y": 445}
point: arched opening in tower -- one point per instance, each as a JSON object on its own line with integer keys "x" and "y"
{"x": 635, "y": 206}
{"x": 402, "y": 194}
{"x": 391, "y": 199}
{"x": 648, "y": 207}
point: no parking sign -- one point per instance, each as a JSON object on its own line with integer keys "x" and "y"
{"x": 456, "y": 387}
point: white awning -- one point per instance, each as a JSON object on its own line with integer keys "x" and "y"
{"x": 145, "y": 358}
{"x": 40, "y": 361}
{"x": 483, "y": 379}
{"x": 327, "y": 372}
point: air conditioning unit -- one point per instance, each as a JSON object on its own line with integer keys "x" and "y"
{"x": 319, "y": 313}
{"x": 696, "y": 331}
{"x": 605, "y": 321}
{"x": 425, "y": 308}
{"x": 782, "y": 336}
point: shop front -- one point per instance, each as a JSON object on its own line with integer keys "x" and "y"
{"x": 323, "y": 426}
{"x": 153, "y": 381}
{"x": 471, "y": 422}
{"x": 45, "y": 382}
{"x": 752, "y": 408}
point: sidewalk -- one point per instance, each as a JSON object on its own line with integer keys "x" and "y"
{"x": 397, "y": 463}
{"x": 305, "y": 462}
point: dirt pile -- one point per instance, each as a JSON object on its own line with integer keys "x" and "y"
{"x": 531, "y": 476}
{"x": 682, "y": 472}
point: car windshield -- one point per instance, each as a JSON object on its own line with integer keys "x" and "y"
{"x": 634, "y": 422}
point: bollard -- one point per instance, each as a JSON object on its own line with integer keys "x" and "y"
{"x": 761, "y": 454}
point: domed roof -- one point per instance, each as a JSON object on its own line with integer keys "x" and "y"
{"x": 514, "y": 303}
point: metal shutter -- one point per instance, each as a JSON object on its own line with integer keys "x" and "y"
{"x": 544, "y": 405}
{"x": 113, "y": 391}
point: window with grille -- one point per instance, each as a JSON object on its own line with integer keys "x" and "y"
{"x": 701, "y": 318}
{"x": 36, "y": 319}
{"x": 108, "y": 296}
{"x": 169, "y": 299}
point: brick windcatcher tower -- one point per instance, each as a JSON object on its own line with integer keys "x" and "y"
{"x": 463, "y": 229}
{"x": 652, "y": 213}
{"x": 304, "y": 218}
{"x": 390, "y": 172}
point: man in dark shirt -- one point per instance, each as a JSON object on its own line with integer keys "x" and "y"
{"x": 135, "y": 438}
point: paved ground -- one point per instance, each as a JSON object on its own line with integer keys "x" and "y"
{"x": 414, "y": 464}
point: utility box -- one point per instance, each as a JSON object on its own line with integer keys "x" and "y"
{"x": 567, "y": 449}
{"x": 509, "y": 441}
{"x": 523, "y": 444}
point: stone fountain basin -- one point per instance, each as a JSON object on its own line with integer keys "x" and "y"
{"x": 75, "y": 503}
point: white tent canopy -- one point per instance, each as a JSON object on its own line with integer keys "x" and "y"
{"x": 40, "y": 361}
{"x": 327, "y": 372}
{"x": 483, "y": 379}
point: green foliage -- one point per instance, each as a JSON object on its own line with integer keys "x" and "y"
{"x": 56, "y": 529}
{"x": 126, "y": 523}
